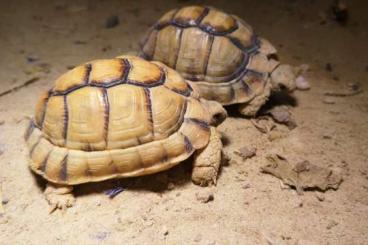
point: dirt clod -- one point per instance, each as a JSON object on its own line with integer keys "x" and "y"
{"x": 320, "y": 196}
{"x": 204, "y": 196}
{"x": 328, "y": 100}
{"x": 303, "y": 175}
{"x": 281, "y": 114}
{"x": 246, "y": 152}
{"x": 331, "y": 224}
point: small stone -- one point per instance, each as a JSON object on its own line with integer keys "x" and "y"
{"x": 165, "y": 231}
{"x": 275, "y": 134}
{"x": 170, "y": 186}
{"x": 331, "y": 224}
{"x": 246, "y": 186}
{"x": 2, "y": 122}
{"x": 328, "y": 100}
{"x": 112, "y": 21}
{"x": 246, "y": 152}
{"x": 326, "y": 136}
{"x": 204, "y": 196}
{"x": 302, "y": 83}
{"x": 198, "y": 238}
{"x": 320, "y": 196}
{"x": 148, "y": 223}
{"x": 5, "y": 200}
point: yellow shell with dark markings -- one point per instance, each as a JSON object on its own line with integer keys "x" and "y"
{"x": 217, "y": 51}
{"x": 115, "y": 118}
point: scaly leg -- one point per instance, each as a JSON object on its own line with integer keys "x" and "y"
{"x": 59, "y": 196}
{"x": 207, "y": 161}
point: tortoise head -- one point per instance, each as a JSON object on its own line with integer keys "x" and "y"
{"x": 217, "y": 112}
{"x": 283, "y": 78}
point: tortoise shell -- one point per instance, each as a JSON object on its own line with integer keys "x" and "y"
{"x": 115, "y": 118}
{"x": 218, "y": 51}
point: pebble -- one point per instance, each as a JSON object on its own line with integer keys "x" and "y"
{"x": 328, "y": 67}
{"x": 198, "y": 238}
{"x": 204, "y": 196}
{"x": 275, "y": 134}
{"x": 165, "y": 231}
{"x": 112, "y": 21}
{"x": 302, "y": 83}
{"x": 170, "y": 186}
{"x": 246, "y": 186}
{"x": 320, "y": 196}
{"x": 328, "y": 100}
{"x": 2, "y": 122}
{"x": 331, "y": 224}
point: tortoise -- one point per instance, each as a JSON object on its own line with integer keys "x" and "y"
{"x": 220, "y": 53}
{"x": 120, "y": 117}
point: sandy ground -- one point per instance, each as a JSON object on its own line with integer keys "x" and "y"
{"x": 249, "y": 207}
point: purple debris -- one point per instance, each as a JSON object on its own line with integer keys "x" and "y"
{"x": 114, "y": 191}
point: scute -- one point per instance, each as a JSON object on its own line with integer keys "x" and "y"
{"x": 220, "y": 22}
{"x": 120, "y": 125}
{"x": 188, "y": 15}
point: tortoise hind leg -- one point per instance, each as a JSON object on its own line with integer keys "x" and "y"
{"x": 207, "y": 161}
{"x": 59, "y": 196}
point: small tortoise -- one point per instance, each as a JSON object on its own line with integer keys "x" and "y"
{"x": 220, "y": 53}
{"x": 122, "y": 117}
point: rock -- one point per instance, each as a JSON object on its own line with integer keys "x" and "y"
{"x": 328, "y": 67}
{"x": 302, "y": 83}
{"x": 282, "y": 114}
{"x": 204, "y": 196}
{"x": 112, "y": 21}
{"x": 302, "y": 175}
{"x": 170, "y": 186}
{"x": 165, "y": 231}
{"x": 275, "y": 134}
{"x": 5, "y": 200}
{"x": 2, "y": 122}
{"x": 246, "y": 152}
{"x": 320, "y": 196}
{"x": 328, "y": 100}
{"x": 331, "y": 224}
{"x": 197, "y": 238}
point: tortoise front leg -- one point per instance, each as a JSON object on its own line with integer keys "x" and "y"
{"x": 207, "y": 161}
{"x": 251, "y": 108}
{"x": 59, "y": 196}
